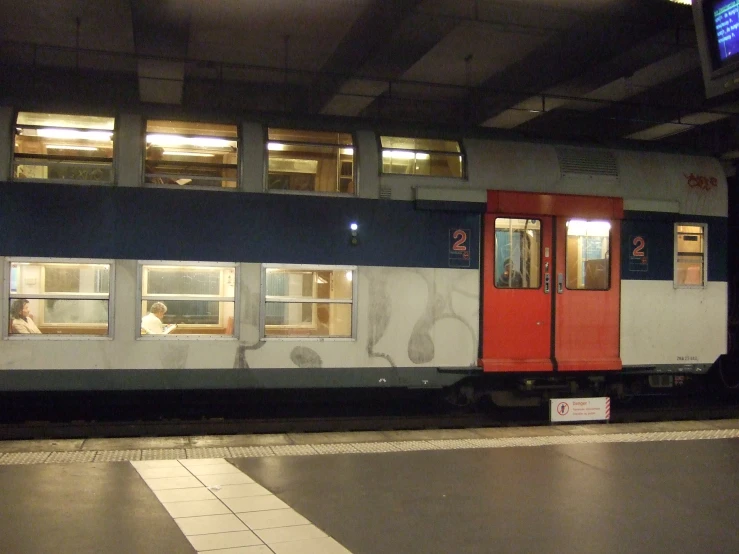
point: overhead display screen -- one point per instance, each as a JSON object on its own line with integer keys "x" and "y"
{"x": 726, "y": 18}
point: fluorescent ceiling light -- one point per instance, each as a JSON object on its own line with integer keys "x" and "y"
{"x": 404, "y": 155}
{"x": 275, "y": 146}
{"x": 686, "y": 2}
{"x": 178, "y": 140}
{"x": 176, "y": 153}
{"x": 578, "y": 227}
{"x": 69, "y": 147}
{"x": 72, "y": 134}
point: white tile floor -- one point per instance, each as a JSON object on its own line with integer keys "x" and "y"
{"x": 221, "y": 510}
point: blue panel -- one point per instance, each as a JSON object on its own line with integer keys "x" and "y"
{"x": 39, "y": 219}
{"x": 658, "y": 232}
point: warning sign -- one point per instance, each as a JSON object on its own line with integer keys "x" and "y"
{"x": 580, "y": 409}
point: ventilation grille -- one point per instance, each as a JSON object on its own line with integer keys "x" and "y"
{"x": 385, "y": 193}
{"x": 596, "y": 163}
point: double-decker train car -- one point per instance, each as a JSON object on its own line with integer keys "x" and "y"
{"x": 146, "y": 252}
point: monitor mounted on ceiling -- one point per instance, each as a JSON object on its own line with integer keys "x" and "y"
{"x": 717, "y": 32}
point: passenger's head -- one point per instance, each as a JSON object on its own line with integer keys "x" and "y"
{"x": 158, "y": 309}
{"x": 154, "y": 153}
{"x": 19, "y": 308}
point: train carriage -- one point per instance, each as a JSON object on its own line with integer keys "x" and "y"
{"x": 352, "y": 258}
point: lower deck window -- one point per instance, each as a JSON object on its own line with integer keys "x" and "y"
{"x": 188, "y": 299}
{"x": 309, "y": 302}
{"x": 50, "y": 297}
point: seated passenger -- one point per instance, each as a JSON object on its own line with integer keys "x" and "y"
{"x": 151, "y": 323}
{"x": 21, "y": 318}
{"x": 153, "y": 156}
{"x": 510, "y": 278}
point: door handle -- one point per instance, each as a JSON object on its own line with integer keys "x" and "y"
{"x": 547, "y": 280}
{"x": 560, "y": 282}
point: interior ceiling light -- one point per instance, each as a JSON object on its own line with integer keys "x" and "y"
{"x": 404, "y": 155}
{"x": 275, "y": 146}
{"x": 72, "y": 134}
{"x": 178, "y": 140}
{"x": 176, "y": 153}
{"x": 686, "y": 2}
{"x": 69, "y": 147}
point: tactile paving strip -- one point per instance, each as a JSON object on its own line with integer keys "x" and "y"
{"x": 18, "y": 458}
{"x": 12, "y": 458}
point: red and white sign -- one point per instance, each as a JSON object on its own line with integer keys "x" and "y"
{"x": 580, "y": 409}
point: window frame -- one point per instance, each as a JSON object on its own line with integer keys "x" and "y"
{"x": 306, "y": 300}
{"x": 338, "y": 147}
{"x": 187, "y": 186}
{"x": 140, "y": 298}
{"x": 8, "y": 296}
{"x": 60, "y": 161}
{"x": 704, "y": 255}
{"x": 462, "y": 154}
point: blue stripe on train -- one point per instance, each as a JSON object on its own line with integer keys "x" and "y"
{"x": 658, "y": 233}
{"x": 39, "y": 219}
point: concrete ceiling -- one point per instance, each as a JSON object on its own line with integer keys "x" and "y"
{"x": 608, "y": 71}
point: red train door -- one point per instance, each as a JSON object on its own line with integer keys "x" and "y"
{"x": 551, "y": 288}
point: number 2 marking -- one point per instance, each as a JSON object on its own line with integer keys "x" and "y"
{"x": 461, "y": 237}
{"x": 639, "y": 250}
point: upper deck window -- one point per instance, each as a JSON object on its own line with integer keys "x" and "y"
{"x": 418, "y": 156}
{"x": 191, "y": 154}
{"x": 312, "y": 161}
{"x": 61, "y": 147}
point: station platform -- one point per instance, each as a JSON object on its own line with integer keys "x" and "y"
{"x": 649, "y": 487}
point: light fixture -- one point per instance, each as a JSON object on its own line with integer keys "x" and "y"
{"x": 275, "y": 146}
{"x": 404, "y": 155}
{"x": 69, "y": 147}
{"x": 179, "y": 140}
{"x": 198, "y": 154}
{"x": 348, "y": 151}
{"x": 48, "y": 132}
{"x": 349, "y": 275}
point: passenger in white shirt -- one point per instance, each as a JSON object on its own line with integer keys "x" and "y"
{"x": 151, "y": 323}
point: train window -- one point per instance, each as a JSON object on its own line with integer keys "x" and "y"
{"x": 690, "y": 252}
{"x": 59, "y": 297}
{"x": 418, "y": 156}
{"x": 308, "y": 302}
{"x": 311, "y": 161}
{"x": 587, "y": 256}
{"x": 517, "y": 253}
{"x": 191, "y": 154}
{"x": 61, "y": 147}
{"x": 188, "y": 298}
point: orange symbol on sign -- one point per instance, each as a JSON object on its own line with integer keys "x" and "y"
{"x": 563, "y": 408}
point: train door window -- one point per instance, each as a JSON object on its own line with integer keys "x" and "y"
{"x": 308, "y": 302}
{"x": 310, "y": 161}
{"x": 191, "y": 154}
{"x": 419, "y": 156}
{"x": 690, "y": 255}
{"x": 62, "y": 147}
{"x": 517, "y": 253}
{"x": 59, "y": 298}
{"x": 188, "y": 298}
{"x": 587, "y": 255}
